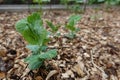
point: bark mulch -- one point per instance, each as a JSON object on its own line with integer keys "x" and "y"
{"x": 93, "y": 55}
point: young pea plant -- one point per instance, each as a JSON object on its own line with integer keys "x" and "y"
{"x": 31, "y": 28}
{"x": 54, "y": 28}
{"x": 70, "y": 25}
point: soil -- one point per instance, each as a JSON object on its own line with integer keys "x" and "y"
{"x": 94, "y": 54}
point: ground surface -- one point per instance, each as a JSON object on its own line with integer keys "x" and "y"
{"x": 93, "y": 55}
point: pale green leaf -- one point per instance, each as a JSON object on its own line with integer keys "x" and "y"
{"x": 52, "y": 26}
{"x": 35, "y": 64}
{"x": 72, "y": 22}
{"x": 74, "y": 18}
{"x": 32, "y": 29}
{"x": 49, "y": 54}
{"x": 33, "y": 48}
{"x": 23, "y": 27}
{"x": 34, "y": 61}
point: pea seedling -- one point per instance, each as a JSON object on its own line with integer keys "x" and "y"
{"x": 71, "y": 25}
{"x": 31, "y": 28}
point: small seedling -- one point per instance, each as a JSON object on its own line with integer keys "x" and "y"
{"x": 71, "y": 26}
{"x": 53, "y": 27}
{"x": 31, "y": 28}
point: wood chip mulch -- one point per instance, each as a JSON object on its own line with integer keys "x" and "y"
{"x": 93, "y": 55}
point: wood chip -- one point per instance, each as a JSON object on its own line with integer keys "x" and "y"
{"x": 2, "y": 75}
{"x": 51, "y": 73}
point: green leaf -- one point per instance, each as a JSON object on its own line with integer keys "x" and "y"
{"x": 52, "y": 26}
{"x": 35, "y": 64}
{"x": 31, "y": 37}
{"x": 74, "y": 18}
{"x": 72, "y": 21}
{"x": 35, "y": 19}
{"x": 23, "y": 27}
{"x": 49, "y": 54}
{"x": 32, "y": 29}
{"x": 33, "y": 48}
{"x": 70, "y": 26}
{"x": 34, "y": 61}
{"x": 43, "y": 48}
{"x": 37, "y": 22}
{"x": 31, "y": 57}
